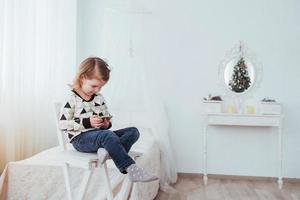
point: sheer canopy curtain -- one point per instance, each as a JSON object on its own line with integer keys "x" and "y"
{"x": 37, "y": 60}
{"x": 132, "y": 88}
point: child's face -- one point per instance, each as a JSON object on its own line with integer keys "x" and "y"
{"x": 91, "y": 86}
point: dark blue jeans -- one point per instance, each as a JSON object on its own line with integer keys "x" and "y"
{"x": 117, "y": 144}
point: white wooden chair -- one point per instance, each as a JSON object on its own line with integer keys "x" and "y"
{"x": 88, "y": 161}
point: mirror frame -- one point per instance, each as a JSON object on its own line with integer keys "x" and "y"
{"x": 240, "y": 50}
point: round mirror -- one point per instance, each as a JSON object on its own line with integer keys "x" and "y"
{"x": 239, "y": 75}
{"x": 239, "y": 72}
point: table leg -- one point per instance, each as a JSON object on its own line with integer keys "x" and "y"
{"x": 205, "y": 154}
{"x": 280, "y": 182}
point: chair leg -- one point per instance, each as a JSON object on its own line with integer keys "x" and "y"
{"x": 127, "y": 184}
{"x": 85, "y": 183}
{"x": 125, "y": 189}
{"x": 107, "y": 182}
{"x": 66, "y": 168}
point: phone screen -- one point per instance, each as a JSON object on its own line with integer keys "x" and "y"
{"x": 103, "y": 117}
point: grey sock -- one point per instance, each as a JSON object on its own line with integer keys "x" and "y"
{"x": 138, "y": 174}
{"x": 102, "y": 155}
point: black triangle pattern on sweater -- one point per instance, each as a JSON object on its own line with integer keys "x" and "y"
{"x": 77, "y": 120}
{"x": 63, "y": 117}
{"x": 83, "y": 111}
{"x": 67, "y": 105}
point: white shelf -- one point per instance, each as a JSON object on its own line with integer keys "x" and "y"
{"x": 252, "y": 120}
{"x": 230, "y": 119}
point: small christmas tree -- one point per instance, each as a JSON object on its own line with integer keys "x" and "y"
{"x": 240, "y": 78}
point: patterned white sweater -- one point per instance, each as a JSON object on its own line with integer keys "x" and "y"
{"x": 76, "y": 112}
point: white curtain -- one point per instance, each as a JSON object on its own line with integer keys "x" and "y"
{"x": 37, "y": 60}
{"x": 132, "y": 87}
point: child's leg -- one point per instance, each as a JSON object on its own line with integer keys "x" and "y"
{"x": 128, "y": 136}
{"x": 91, "y": 141}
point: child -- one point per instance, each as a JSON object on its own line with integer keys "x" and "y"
{"x": 86, "y": 120}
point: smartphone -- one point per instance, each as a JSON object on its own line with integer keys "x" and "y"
{"x": 106, "y": 117}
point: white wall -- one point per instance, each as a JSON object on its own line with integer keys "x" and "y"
{"x": 89, "y": 24}
{"x": 185, "y": 42}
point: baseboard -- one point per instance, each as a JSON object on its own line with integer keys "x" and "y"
{"x": 237, "y": 177}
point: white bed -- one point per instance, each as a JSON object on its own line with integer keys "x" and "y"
{"x": 41, "y": 177}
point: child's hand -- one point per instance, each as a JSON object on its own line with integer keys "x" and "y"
{"x": 105, "y": 123}
{"x": 96, "y": 121}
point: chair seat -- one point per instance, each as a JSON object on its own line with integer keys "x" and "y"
{"x": 71, "y": 151}
{"x": 78, "y": 159}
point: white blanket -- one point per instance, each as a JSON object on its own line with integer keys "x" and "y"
{"x": 41, "y": 177}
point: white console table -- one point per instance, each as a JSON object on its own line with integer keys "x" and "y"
{"x": 228, "y": 119}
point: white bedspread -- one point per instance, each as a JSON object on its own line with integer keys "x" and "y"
{"x": 41, "y": 177}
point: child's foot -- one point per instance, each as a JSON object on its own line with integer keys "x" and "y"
{"x": 102, "y": 155}
{"x": 138, "y": 174}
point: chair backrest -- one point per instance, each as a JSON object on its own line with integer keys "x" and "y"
{"x": 60, "y": 134}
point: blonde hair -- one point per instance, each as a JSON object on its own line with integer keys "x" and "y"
{"x": 92, "y": 67}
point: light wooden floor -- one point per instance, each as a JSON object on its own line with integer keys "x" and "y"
{"x": 192, "y": 188}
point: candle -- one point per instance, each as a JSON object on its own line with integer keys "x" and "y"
{"x": 232, "y": 109}
{"x": 250, "y": 109}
